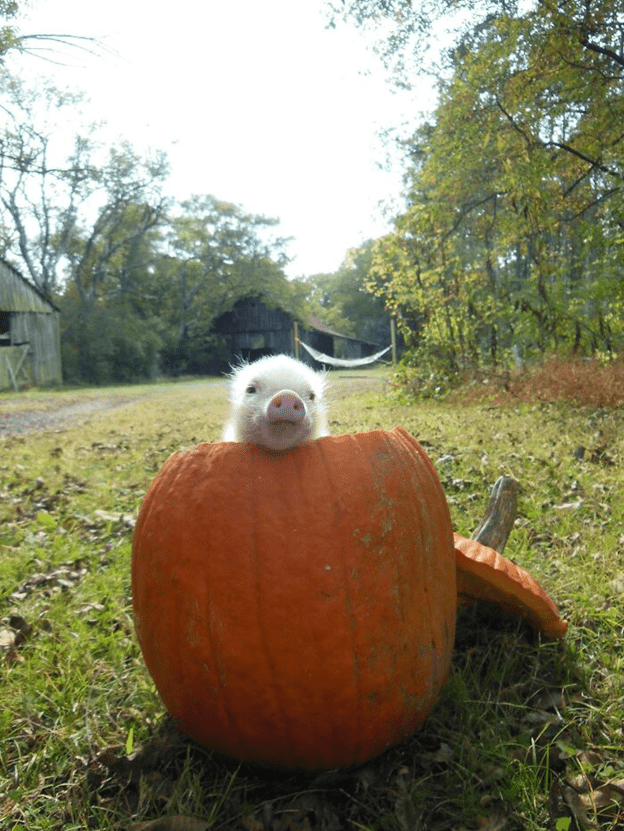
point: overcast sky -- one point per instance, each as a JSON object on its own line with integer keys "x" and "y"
{"x": 255, "y": 102}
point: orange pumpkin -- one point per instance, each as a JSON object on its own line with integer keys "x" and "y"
{"x": 297, "y": 610}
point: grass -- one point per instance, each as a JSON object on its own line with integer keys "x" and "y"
{"x": 528, "y": 734}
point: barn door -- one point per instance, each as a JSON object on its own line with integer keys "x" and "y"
{"x": 15, "y": 358}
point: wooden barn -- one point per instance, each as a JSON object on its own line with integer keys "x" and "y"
{"x": 252, "y": 330}
{"x": 30, "y": 344}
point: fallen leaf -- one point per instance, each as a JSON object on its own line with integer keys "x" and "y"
{"x": 12, "y": 637}
{"x": 107, "y": 516}
{"x": 404, "y": 808}
{"x": 497, "y": 820}
{"x": 174, "y": 823}
{"x": 64, "y": 576}
{"x": 7, "y": 644}
{"x": 577, "y": 807}
{"x": 609, "y": 796}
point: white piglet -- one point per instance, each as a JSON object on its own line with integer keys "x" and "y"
{"x": 276, "y": 402}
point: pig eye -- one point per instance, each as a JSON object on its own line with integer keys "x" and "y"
{"x": 312, "y": 396}
{"x": 251, "y": 389}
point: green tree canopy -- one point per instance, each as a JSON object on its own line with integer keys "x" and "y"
{"x": 343, "y": 301}
{"x": 514, "y": 232}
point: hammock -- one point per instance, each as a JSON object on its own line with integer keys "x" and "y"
{"x": 327, "y": 359}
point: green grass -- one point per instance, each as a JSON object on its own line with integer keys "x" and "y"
{"x": 527, "y": 734}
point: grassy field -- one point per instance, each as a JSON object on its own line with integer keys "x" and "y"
{"x": 527, "y": 734}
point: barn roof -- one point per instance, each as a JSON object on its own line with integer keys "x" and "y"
{"x": 318, "y": 325}
{"x": 18, "y": 295}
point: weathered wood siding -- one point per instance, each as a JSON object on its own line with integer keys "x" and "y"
{"x": 252, "y": 330}
{"x": 16, "y": 295}
{"x": 30, "y": 351}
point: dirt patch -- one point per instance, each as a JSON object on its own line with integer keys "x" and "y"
{"x": 20, "y": 416}
{"x": 54, "y": 415}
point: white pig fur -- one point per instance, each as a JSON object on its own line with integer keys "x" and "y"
{"x": 252, "y": 389}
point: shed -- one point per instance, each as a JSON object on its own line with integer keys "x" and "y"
{"x": 30, "y": 342}
{"x": 252, "y": 329}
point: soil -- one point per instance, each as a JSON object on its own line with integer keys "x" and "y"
{"x": 52, "y": 414}
{"x": 19, "y": 417}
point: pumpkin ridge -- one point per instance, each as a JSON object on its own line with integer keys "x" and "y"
{"x": 233, "y": 720}
{"x": 322, "y": 449}
{"x": 197, "y": 457}
{"x": 402, "y": 597}
{"x": 226, "y": 708}
{"x": 423, "y": 476}
{"x": 279, "y": 700}
{"x": 418, "y": 510}
{"x": 215, "y": 670}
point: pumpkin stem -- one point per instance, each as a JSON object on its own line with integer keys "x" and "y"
{"x": 500, "y": 515}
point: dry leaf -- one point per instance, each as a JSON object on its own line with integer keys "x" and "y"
{"x": 175, "y": 823}
{"x": 497, "y": 820}
{"x": 404, "y": 809}
{"x": 250, "y": 823}
{"x": 7, "y": 644}
{"x": 108, "y": 516}
{"x": 12, "y": 638}
{"x": 603, "y": 798}
{"x": 577, "y": 807}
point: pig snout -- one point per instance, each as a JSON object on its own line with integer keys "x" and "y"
{"x": 286, "y": 406}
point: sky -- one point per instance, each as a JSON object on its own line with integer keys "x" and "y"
{"x": 256, "y": 103}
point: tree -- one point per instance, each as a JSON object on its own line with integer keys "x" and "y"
{"x": 11, "y": 38}
{"x": 81, "y": 226}
{"x": 214, "y": 254}
{"x": 8, "y": 36}
{"x": 112, "y": 327}
{"x": 343, "y": 301}
{"x": 513, "y": 234}
{"x": 126, "y": 203}
{"x": 416, "y": 37}
{"x": 65, "y": 217}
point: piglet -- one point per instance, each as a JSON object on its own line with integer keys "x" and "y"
{"x": 276, "y": 402}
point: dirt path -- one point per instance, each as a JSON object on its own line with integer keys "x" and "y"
{"x": 20, "y": 416}
{"x": 53, "y": 414}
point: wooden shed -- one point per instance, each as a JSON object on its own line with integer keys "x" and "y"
{"x": 30, "y": 343}
{"x": 252, "y": 329}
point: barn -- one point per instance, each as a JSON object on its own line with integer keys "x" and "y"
{"x": 252, "y": 329}
{"x": 30, "y": 344}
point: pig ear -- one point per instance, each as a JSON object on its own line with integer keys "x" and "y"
{"x": 482, "y": 574}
